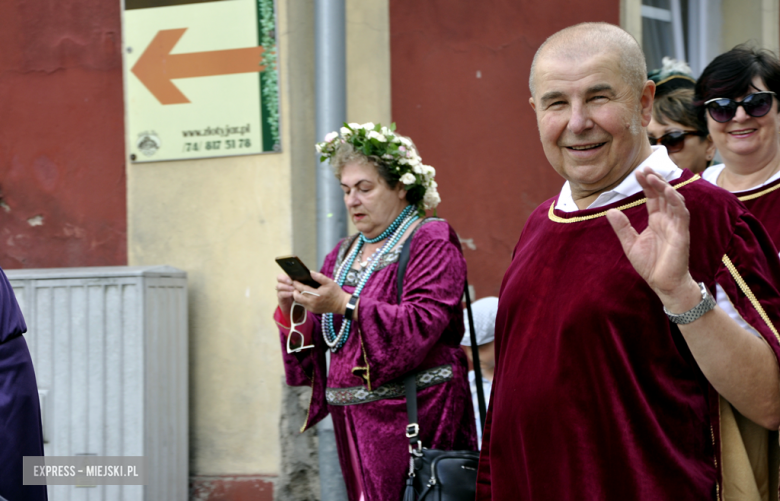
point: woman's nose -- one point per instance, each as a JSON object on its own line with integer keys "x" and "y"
{"x": 350, "y": 199}
{"x": 740, "y": 115}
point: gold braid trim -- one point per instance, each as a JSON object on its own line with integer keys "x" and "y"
{"x": 715, "y": 458}
{"x": 759, "y": 194}
{"x": 746, "y": 290}
{"x": 308, "y": 408}
{"x": 558, "y": 219}
{"x": 367, "y": 367}
{"x": 684, "y": 77}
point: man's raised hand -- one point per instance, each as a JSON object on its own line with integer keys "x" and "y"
{"x": 660, "y": 253}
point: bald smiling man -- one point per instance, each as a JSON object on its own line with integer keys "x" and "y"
{"x": 611, "y": 353}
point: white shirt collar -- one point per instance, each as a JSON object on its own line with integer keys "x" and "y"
{"x": 659, "y": 161}
{"x": 712, "y": 174}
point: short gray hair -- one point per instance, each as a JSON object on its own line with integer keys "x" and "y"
{"x": 588, "y": 39}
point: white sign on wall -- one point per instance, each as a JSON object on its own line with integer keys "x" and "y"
{"x": 200, "y": 78}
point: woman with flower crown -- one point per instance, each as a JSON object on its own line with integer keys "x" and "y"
{"x": 375, "y": 341}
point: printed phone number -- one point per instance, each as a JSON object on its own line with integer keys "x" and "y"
{"x": 227, "y": 144}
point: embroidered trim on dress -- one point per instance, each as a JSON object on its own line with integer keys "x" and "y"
{"x": 558, "y": 219}
{"x": 353, "y": 275}
{"x": 360, "y": 395}
{"x": 367, "y": 368}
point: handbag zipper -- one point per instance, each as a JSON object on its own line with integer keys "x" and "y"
{"x": 435, "y": 462}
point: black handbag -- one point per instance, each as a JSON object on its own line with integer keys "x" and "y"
{"x": 436, "y": 475}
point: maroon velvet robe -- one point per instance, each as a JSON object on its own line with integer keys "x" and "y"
{"x": 764, "y": 203}
{"x": 387, "y": 342}
{"x": 596, "y": 394}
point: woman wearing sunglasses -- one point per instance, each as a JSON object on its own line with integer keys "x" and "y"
{"x": 375, "y": 340}
{"x": 676, "y": 123}
{"x": 737, "y": 93}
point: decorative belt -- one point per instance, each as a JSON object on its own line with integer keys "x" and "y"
{"x": 360, "y": 395}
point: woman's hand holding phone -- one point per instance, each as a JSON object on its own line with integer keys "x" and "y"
{"x": 328, "y": 298}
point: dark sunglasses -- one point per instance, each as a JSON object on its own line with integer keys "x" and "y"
{"x": 675, "y": 140}
{"x": 723, "y": 109}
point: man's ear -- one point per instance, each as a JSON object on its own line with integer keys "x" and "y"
{"x": 531, "y": 102}
{"x": 646, "y": 102}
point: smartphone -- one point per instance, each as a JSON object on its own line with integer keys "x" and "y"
{"x": 295, "y": 269}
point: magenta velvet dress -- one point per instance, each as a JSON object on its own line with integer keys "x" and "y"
{"x": 387, "y": 342}
{"x": 596, "y": 394}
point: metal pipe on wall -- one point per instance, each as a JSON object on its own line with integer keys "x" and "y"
{"x": 331, "y": 96}
{"x": 331, "y": 111}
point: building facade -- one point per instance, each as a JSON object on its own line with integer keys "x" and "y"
{"x": 453, "y": 75}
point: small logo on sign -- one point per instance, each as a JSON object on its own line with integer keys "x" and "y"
{"x": 148, "y": 143}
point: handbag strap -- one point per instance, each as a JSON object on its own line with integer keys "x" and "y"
{"x": 477, "y": 367}
{"x": 410, "y": 381}
{"x": 403, "y": 260}
{"x": 412, "y": 429}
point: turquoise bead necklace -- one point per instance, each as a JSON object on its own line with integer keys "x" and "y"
{"x": 393, "y": 234}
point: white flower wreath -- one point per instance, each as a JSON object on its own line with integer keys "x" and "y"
{"x": 396, "y": 152}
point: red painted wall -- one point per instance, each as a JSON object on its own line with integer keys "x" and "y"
{"x": 460, "y": 91}
{"x": 62, "y": 134}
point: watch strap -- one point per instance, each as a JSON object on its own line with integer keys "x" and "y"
{"x": 707, "y": 303}
{"x": 350, "y": 310}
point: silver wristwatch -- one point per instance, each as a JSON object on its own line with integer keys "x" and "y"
{"x": 707, "y": 303}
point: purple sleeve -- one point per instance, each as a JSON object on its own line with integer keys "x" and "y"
{"x": 299, "y": 368}
{"x": 308, "y": 367}
{"x": 397, "y": 338}
{"x": 750, "y": 274}
{"x": 11, "y": 320}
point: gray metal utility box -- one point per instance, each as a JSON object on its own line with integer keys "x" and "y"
{"x": 109, "y": 346}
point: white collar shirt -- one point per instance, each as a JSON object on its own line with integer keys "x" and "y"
{"x": 711, "y": 174}
{"x": 659, "y": 161}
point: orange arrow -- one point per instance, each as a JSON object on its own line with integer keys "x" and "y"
{"x": 157, "y": 66}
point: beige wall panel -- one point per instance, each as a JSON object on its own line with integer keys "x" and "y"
{"x": 300, "y": 83}
{"x": 224, "y": 220}
{"x": 631, "y": 18}
{"x": 741, "y": 22}
{"x": 368, "y": 61}
{"x": 755, "y": 21}
{"x": 770, "y": 25}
